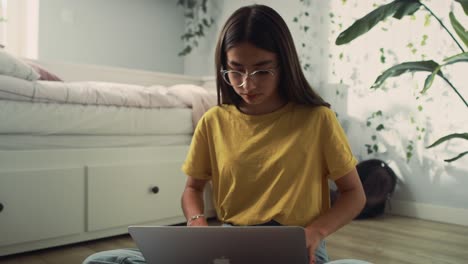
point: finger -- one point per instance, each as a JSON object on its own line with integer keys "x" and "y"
{"x": 311, "y": 256}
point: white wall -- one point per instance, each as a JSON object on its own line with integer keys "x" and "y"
{"x": 19, "y": 33}
{"x": 141, "y": 34}
{"x": 201, "y": 60}
{"x": 428, "y": 186}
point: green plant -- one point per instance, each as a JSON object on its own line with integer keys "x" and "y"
{"x": 399, "y": 9}
{"x": 197, "y": 20}
{"x": 304, "y": 26}
{"x": 371, "y": 148}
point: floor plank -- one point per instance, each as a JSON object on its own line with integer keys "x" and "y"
{"x": 386, "y": 240}
{"x": 393, "y": 239}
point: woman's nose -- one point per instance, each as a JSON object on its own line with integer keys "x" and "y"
{"x": 249, "y": 84}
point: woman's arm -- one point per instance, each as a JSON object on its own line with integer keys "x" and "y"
{"x": 192, "y": 201}
{"x": 347, "y": 206}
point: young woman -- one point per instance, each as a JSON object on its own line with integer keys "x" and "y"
{"x": 270, "y": 145}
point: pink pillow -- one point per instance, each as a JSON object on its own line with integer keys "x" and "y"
{"x": 45, "y": 75}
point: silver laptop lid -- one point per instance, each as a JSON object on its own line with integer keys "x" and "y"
{"x": 221, "y": 245}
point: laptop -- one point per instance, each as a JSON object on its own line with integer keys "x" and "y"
{"x": 221, "y": 245}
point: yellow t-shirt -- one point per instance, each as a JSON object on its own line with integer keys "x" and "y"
{"x": 269, "y": 167}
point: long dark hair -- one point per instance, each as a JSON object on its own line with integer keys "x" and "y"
{"x": 264, "y": 28}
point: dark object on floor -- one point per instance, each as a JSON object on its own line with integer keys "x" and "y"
{"x": 378, "y": 181}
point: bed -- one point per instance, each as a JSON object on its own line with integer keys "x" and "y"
{"x": 81, "y": 166}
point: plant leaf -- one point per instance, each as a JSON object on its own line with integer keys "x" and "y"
{"x": 412, "y": 66}
{"x": 429, "y": 80}
{"x": 462, "y": 57}
{"x": 459, "y": 29}
{"x": 191, "y": 3}
{"x": 457, "y": 157}
{"x": 464, "y": 4}
{"x": 185, "y": 51}
{"x": 397, "y": 9}
{"x": 448, "y": 137}
{"x": 204, "y": 8}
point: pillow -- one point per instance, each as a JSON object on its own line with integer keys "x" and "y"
{"x": 11, "y": 66}
{"x": 45, "y": 75}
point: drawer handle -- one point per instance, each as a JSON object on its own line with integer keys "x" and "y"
{"x": 1, "y": 207}
{"x": 155, "y": 189}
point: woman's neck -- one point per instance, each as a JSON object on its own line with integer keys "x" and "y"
{"x": 261, "y": 109}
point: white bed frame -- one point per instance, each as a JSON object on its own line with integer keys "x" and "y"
{"x": 61, "y": 196}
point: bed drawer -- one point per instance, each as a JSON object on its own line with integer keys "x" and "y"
{"x": 41, "y": 204}
{"x": 121, "y": 195}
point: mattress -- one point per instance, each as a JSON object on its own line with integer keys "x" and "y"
{"x": 28, "y": 142}
{"x": 29, "y": 118}
{"x": 88, "y": 93}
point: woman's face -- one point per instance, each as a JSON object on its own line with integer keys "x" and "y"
{"x": 262, "y": 89}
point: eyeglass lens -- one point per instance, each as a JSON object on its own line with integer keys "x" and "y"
{"x": 236, "y": 78}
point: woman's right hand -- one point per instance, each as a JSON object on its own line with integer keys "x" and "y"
{"x": 199, "y": 222}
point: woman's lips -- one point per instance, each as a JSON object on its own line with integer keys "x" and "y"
{"x": 251, "y": 96}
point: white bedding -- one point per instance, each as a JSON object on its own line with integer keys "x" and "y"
{"x": 74, "y": 119}
{"x": 87, "y": 93}
{"x": 28, "y": 142}
{"x": 109, "y": 94}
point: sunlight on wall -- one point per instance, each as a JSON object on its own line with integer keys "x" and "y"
{"x": 21, "y": 30}
{"x": 2, "y": 21}
{"x": 411, "y": 120}
{"x": 359, "y": 63}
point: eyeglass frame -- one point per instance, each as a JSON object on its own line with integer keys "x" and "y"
{"x": 245, "y": 75}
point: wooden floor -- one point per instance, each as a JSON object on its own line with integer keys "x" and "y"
{"x": 390, "y": 239}
{"x": 402, "y": 240}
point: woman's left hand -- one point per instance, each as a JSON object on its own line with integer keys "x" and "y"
{"x": 313, "y": 238}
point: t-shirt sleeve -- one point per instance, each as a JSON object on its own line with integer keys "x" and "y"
{"x": 337, "y": 153}
{"x": 198, "y": 163}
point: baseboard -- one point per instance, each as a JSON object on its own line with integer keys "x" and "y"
{"x": 449, "y": 215}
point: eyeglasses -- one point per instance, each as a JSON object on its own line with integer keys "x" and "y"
{"x": 238, "y": 79}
